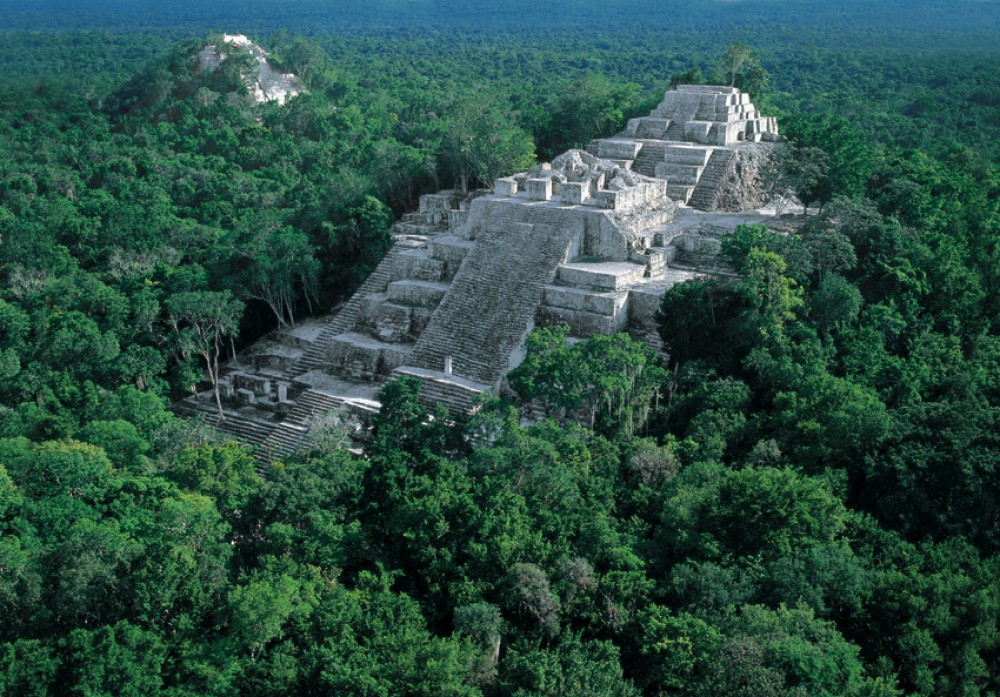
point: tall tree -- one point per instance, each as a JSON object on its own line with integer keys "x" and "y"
{"x": 201, "y": 321}
{"x": 481, "y": 140}
{"x": 740, "y": 67}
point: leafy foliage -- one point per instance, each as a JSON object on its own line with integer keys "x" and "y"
{"x": 803, "y": 503}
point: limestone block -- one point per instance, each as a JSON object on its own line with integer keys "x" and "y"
{"x": 608, "y": 199}
{"x": 245, "y": 396}
{"x": 698, "y": 244}
{"x": 428, "y": 270}
{"x": 393, "y": 357}
{"x": 392, "y": 322}
{"x": 643, "y": 305}
{"x": 601, "y": 276}
{"x": 420, "y": 293}
{"x": 632, "y": 128}
{"x": 440, "y": 202}
{"x": 729, "y": 133}
{"x": 457, "y": 219}
{"x": 604, "y": 239}
{"x": 687, "y": 155}
{"x": 451, "y": 250}
{"x": 402, "y": 266}
{"x": 653, "y": 128}
{"x": 662, "y": 238}
{"x": 573, "y": 193}
{"x": 277, "y": 361}
{"x": 539, "y": 189}
{"x": 506, "y": 187}
{"x": 355, "y": 356}
{"x": 697, "y": 131}
{"x": 597, "y": 302}
{"x": 619, "y": 149}
{"x": 596, "y": 184}
{"x": 370, "y": 306}
{"x": 582, "y": 323}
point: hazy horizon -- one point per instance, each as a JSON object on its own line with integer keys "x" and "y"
{"x": 305, "y": 16}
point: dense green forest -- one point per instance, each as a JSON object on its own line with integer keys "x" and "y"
{"x": 804, "y": 502}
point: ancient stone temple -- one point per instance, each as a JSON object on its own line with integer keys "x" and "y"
{"x": 705, "y": 141}
{"x": 590, "y": 240}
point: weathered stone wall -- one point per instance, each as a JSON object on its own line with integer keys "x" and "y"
{"x": 741, "y": 186}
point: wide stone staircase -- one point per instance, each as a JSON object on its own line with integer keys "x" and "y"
{"x": 293, "y": 432}
{"x": 490, "y": 308}
{"x": 682, "y": 167}
{"x": 650, "y": 155}
{"x": 703, "y": 196}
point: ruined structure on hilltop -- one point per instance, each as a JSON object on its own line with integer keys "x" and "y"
{"x": 266, "y": 84}
{"x": 590, "y": 240}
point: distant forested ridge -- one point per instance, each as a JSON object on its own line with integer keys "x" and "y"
{"x": 804, "y": 502}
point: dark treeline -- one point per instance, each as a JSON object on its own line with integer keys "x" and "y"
{"x": 803, "y": 503}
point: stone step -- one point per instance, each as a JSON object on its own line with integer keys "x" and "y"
{"x": 678, "y": 175}
{"x": 582, "y": 322}
{"x": 283, "y": 441}
{"x": 456, "y": 394}
{"x": 569, "y": 297}
{"x": 493, "y": 298}
{"x": 704, "y": 194}
{"x": 675, "y": 132}
{"x": 651, "y": 155}
{"x": 687, "y": 155}
{"x": 603, "y": 276}
{"x": 363, "y": 357}
{"x": 417, "y": 293}
{"x": 248, "y": 430}
{"x": 652, "y": 127}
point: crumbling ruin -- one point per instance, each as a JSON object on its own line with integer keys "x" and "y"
{"x": 590, "y": 240}
{"x": 266, "y": 84}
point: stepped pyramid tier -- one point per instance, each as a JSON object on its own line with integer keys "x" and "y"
{"x": 586, "y": 241}
{"x": 709, "y": 143}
